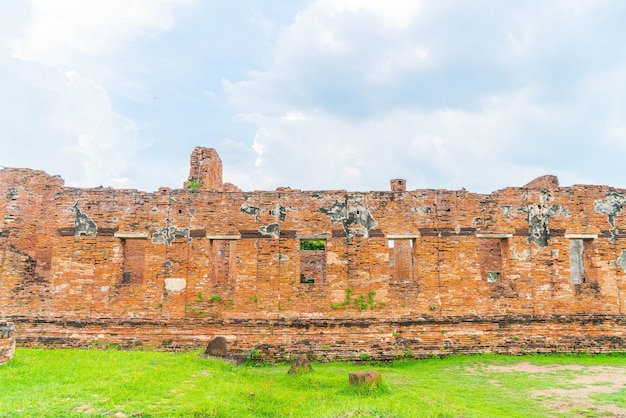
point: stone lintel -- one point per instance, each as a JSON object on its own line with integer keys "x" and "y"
{"x": 581, "y": 236}
{"x": 402, "y": 236}
{"x": 313, "y": 236}
{"x": 494, "y": 236}
{"x": 131, "y": 235}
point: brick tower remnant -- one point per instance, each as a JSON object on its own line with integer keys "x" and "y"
{"x": 205, "y": 172}
{"x": 398, "y": 185}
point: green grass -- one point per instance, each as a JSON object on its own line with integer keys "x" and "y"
{"x": 51, "y": 383}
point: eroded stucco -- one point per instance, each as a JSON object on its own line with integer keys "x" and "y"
{"x": 353, "y": 215}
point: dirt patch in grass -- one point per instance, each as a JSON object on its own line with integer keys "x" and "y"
{"x": 575, "y": 393}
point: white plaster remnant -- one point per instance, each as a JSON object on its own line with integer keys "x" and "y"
{"x": 61, "y": 287}
{"x": 523, "y": 256}
{"x": 621, "y": 260}
{"x": 333, "y": 258}
{"x": 104, "y": 288}
{"x": 175, "y": 284}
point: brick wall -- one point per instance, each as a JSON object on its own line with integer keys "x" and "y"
{"x": 416, "y": 271}
{"x": 7, "y": 341}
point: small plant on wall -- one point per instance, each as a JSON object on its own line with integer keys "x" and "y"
{"x": 193, "y": 185}
{"x": 361, "y": 303}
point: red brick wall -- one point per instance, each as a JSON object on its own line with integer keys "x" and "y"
{"x": 203, "y": 263}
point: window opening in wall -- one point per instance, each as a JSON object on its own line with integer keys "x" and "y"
{"x": 576, "y": 260}
{"x": 401, "y": 261}
{"x": 134, "y": 260}
{"x": 491, "y": 255}
{"x": 312, "y": 261}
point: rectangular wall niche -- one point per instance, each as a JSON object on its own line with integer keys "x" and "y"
{"x": 224, "y": 254}
{"x": 491, "y": 251}
{"x": 401, "y": 261}
{"x": 576, "y": 261}
{"x": 580, "y": 256}
{"x": 312, "y": 261}
{"x": 134, "y": 251}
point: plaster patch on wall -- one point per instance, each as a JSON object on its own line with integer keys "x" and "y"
{"x": 611, "y": 206}
{"x": 61, "y": 287}
{"x": 422, "y": 210}
{"x": 271, "y": 229}
{"x": 523, "y": 256}
{"x": 175, "y": 284}
{"x": 333, "y": 258}
{"x": 251, "y": 210}
{"x": 281, "y": 211}
{"x": 84, "y": 224}
{"x": 167, "y": 234}
{"x": 353, "y": 215}
{"x": 104, "y": 288}
{"x": 12, "y": 193}
{"x": 507, "y": 211}
{"x": 621, "y": 260}
{"x": 539, "y": 218}
{"x": 280, "y": 257}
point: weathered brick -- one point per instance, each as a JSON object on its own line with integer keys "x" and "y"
{"x": 402, "y": 273}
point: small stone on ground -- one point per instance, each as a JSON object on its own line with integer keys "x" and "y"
{"x": 300, "y": 365}
{"x": 217, "y": 347}
{"x": 369, "y": 378}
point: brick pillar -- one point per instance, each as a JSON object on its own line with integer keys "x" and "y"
{"x": 205, "y": 171}
{"x": 7, "y": 341}
{"x": 398, "y": 185}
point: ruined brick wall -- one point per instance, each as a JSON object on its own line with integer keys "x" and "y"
{"x": 533, "y": 268}
{"x": 7, "y": 341}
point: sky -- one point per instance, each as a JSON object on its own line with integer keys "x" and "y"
{"x": 316, "y": 94}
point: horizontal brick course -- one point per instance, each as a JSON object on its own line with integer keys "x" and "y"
{"x": 177, "y": 267}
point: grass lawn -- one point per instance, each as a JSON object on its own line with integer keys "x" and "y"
{"x": 66, "y": 383}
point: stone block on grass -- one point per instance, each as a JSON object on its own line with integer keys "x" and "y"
{"x": 217, "y": 347}
{"x": 300, "y": 365}
{"x": 368, "y": 378}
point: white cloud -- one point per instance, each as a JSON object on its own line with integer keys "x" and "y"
{"x": 318, "y": 94}
{"x": 60, "y": 30}
{"x": 397, "y": 13}
{"x": 70, "y": 114}
{"x": 445, "y": 94}
{"x": 449, "y": 148}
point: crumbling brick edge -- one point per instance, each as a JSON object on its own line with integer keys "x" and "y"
{"x": 340, "y": 338}
{"x": 7, "y": 341}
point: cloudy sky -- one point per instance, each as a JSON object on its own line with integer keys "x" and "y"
{"x": 316, "y": 94}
